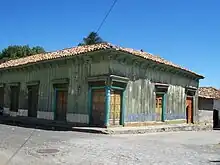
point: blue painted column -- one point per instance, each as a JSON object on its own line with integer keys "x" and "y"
{"x": 107, "y": 104}
{"x": 122, "y": 108}
{"x": 164, "y": 108}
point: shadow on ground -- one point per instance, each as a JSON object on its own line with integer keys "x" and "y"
{"x": 43, "y": 124}
{"x": 214, "y": 161}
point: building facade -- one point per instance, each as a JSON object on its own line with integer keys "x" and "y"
{"x": 209, "y": 106}
{"x": 102, "y": 85}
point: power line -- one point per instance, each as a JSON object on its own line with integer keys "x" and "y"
{"x": 103, "y": 21}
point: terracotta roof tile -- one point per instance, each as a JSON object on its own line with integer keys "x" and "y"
{"x": 209, "y": 92}
{"x": 84, "y": 49}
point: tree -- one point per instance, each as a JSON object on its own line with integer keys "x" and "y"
{"x": 92, "y": 38}
{"x": 37, "y": 50}
{"x": 16, "y": 51}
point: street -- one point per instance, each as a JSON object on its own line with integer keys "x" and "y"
{"x": 75, "y": 148}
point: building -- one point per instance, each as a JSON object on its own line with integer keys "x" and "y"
{"x": 209, "y": 106}
{"x": 102, "y": 85}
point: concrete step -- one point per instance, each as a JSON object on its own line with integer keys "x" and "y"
{"x": 147, "y": 129}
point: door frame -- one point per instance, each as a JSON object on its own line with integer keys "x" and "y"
{"x": 107, "y": 103}
{"x": 2, "y": 93}
{"x": 29, "y": 87}
{"x": 215, "y": 118}
{"x": 55, "y": 100}
{"x": 163, "y": 114}
{"x": 122, "y": 108}
{"x": 192, "y": 110}
{"x": 17, "y": 100}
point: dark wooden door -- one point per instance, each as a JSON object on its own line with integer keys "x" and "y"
{"x": 2, "y": 97}
{"x": 189, "y": 110}
{"x": 115, "y": 108}
{"x": 14, "y": 98}
{"x": 98, "y": 107}
{"x": 215, "y": 118}
{"x": 32, "y": 100}
{"x": 61, "y": 105}
{"x": 159, "y": 107}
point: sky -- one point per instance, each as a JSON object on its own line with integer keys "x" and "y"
{"x": 186, "y": 32}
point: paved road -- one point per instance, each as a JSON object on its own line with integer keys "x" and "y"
{"x": 72, "y": 148}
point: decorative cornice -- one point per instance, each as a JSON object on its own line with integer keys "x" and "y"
{"x": 14, "y": 83}
{"x": 30, "y": 83}
{"x": 60, "y": 81}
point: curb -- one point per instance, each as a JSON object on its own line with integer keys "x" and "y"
{"x": 152, "y": 130}
{"x": 106, "y": 131}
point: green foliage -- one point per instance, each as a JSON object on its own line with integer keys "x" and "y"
{"x": 16, "y": 51}
{"x": 92, "y": 38}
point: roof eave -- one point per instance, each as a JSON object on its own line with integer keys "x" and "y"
{"x": 198, "y": 76}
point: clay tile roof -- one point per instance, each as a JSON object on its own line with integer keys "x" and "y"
{"x": 84, "y": 49}
{"x": 209, "y": 92}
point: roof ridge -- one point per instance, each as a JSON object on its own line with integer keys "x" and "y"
{"x": 209, "y": 87}
{"x": 209, "y": 92}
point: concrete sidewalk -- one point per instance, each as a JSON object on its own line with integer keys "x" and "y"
{"x": 64, "y": 126}
{"x": 145, "y": 129}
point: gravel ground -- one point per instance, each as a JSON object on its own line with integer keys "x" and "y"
{"x": 74, "y": 148}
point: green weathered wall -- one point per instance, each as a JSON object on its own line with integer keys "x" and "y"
{"x": 140, "y": 92}
{"x": 139, "y": 95}
{"x": 77, "y": 70}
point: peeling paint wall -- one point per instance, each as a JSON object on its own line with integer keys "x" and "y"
{"x": 140, "y": 94}
{"x": 175, "y": 103}
{"x": 76, "y": 71}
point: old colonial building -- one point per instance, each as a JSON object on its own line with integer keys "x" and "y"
{"x": 100, "y": 85}
{"x": 209, "y": 106}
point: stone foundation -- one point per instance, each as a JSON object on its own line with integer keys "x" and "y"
{"x": 77, "y": 118}
{"x": 45, "y": 115}
{"x": 21, "y": 112}
{"x": 152, "y": 123}
{"x": 205, "y": 116}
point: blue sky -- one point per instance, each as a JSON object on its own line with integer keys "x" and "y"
{"x": 186, "y": 32}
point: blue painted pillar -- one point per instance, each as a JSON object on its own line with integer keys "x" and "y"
{"x": 107, "y": 104}
{"x": 164, "y": 108}
{"x": 122, "y": 108}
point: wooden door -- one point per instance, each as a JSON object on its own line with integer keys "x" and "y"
{"x": 98, "y": 107}
{"x": 115, "y": 107}
{"x": 14, "y": 98}
{"x": 2, "y": 97}
{"x": 32, "y": 100}
{"x": 61, "y": 105}
{"x": 159, "y": 107}
{"x": 215, "y": 118}
{"x": 189, "y": 110}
